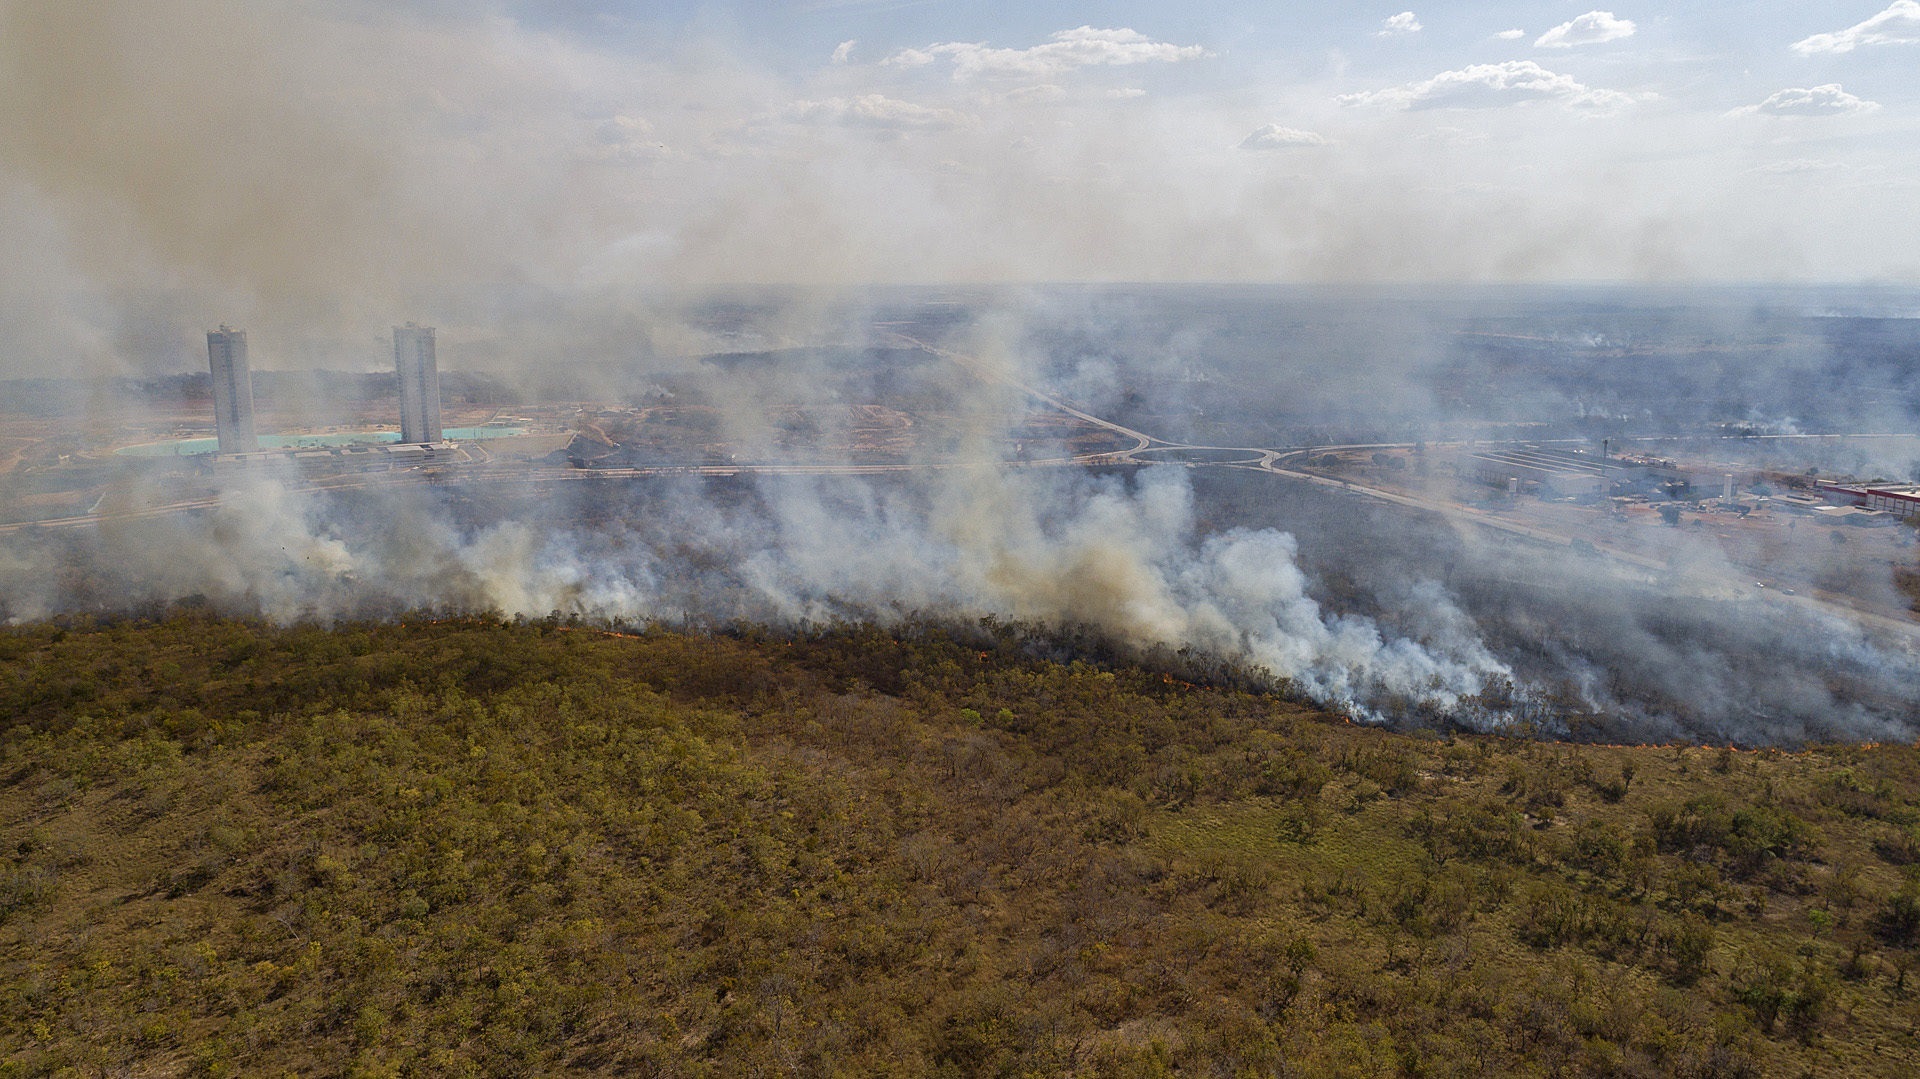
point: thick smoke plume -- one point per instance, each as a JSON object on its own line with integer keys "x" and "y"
{"x": 1114, "y": 554}
{"x": 317, "y": 172}
{"x": 1394, "y": 616}
{"x": 1360, "y": 604}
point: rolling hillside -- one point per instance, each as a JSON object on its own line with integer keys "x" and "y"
{"x": 468, "y": 847}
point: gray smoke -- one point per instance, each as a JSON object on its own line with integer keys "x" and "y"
{"x": 1047, "y": 546}
{"x": 1361, "y": 605}
{"x": 318, "y": 172}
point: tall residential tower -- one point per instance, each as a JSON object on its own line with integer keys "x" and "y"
{"x": 419, "y": 383}
{"x": 232, "y": 390}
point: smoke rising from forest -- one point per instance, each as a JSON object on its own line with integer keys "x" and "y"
{"x": 1395, "y": 617}
{"x": 1118, "y": 557}
{"x": 317, "y": 173}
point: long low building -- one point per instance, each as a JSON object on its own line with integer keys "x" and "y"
{"x": 1570, "y": 472}
{"x": 1533, "y": 467}
{"x": 1898, "y": 499}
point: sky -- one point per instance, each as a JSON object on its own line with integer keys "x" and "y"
{"x": 166, "y": 164}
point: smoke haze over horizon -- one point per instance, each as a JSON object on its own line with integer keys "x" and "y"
{"x": 613, "y": 190}
{"x": 320, "y": 171}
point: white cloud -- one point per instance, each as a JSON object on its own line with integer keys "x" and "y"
{"x": 1065, "y": 51}
{"x": 1590, "y": 29}
{"x": 626, "y": 128}
{"x": 844, "y": 51}
{"x": 1899, "y": 24}
{"x": 1045, "y": 91}
{"x": 1457, "y": 136}
{"x": 1827, "y": 100}
{"x": 1275, "y": 137}
{"x": 1511, "y": 35}
{"x": 875, "y": 112}
{"x": 1486, "y": 86}
{"x": 628, "y": 138}
{"x": 1398, "y": 25}
{"x": 1126, "y": 93}
{"x": 1797, "y": 166}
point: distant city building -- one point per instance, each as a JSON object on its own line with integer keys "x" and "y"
{"x": 1574, "y": 472}
{"x": 232, "y": 390}
{"x": 419, "y": 383}
{"x": 1536, "y": 467}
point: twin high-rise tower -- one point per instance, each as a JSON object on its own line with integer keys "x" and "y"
{"x": 419, "y": 383}
{"x": 232, "y": 390}
{"x": 413, "y": 364}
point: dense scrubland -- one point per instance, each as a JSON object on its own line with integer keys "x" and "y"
{"x": 470, "y": 847}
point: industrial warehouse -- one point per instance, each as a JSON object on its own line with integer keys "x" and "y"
{"x": 1572, "y": 475}
{"x": 1901, "y": 500}
{"x": 1550, "y": 471}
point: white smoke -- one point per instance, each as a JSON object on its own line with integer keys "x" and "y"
{"x": 1055, "y": 547}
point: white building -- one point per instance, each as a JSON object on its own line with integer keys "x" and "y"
{"x": 419, "y": 376}
{"x": 232, "y": 391}
{"x": 1898, "y": 499}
